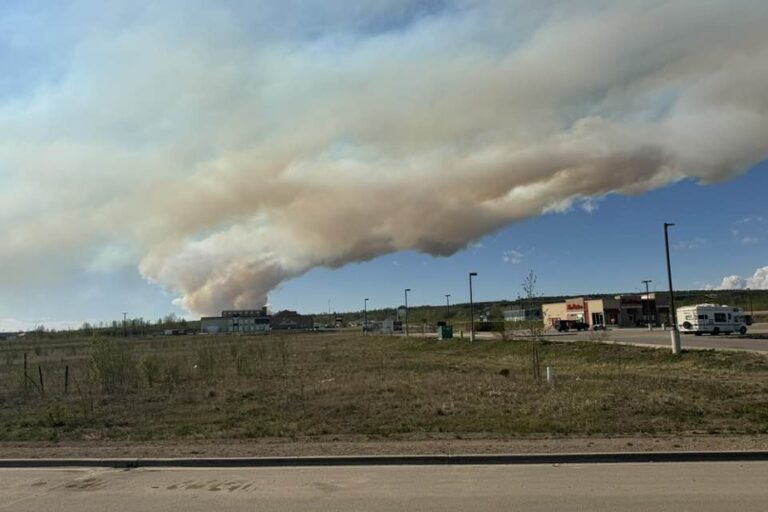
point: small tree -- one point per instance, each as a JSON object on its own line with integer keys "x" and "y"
{"x": 534, "y": 328}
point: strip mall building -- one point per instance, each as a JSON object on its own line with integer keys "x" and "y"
{"x": 620, "y": 311}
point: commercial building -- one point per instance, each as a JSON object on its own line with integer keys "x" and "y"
{"x": 254, "y": 321}
{"x": 522, "y": 315}
{"x": 620, "y": 311}
{"x": 240, "y": 321}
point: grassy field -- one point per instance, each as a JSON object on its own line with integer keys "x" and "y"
{"x": 336, "y": 385}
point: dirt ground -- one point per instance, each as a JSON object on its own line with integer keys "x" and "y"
{"x": 283, "y": 448}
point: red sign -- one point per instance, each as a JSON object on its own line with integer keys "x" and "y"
{"x": 571, "y": 307}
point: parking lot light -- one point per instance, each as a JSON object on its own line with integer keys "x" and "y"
{"x": 675, "y": 335}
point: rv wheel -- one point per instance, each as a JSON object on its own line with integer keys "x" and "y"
{"x": 743, "y": 331}
{"x": 716, "y": 332}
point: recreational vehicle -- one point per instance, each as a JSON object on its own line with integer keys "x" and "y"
{"x": 711, "y": 319}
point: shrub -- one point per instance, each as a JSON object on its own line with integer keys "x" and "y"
{"x": 112, "y": 367}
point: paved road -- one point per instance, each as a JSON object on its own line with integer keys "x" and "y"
{"x": 661, "y": 338}
{"x": 694, "y": 487}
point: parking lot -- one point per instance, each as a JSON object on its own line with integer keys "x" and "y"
{"x": 643, "y": 337}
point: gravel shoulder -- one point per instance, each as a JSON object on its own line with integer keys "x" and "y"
{"x": 278, "y": 448}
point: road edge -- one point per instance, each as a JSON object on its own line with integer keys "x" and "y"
{"x": 391, "y": 460}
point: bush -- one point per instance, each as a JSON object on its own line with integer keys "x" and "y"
{"x": 151, "y": 369}
{"x": 113, "y": 367}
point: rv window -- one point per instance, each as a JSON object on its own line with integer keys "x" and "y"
{"x": 702, "y": 317}
{"x": 719, "y": 317}
{"x": 729, "y": 316}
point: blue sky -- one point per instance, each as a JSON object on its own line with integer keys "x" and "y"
{"x": 190, "y": 156}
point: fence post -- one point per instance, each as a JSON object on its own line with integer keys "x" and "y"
{"x": 42, "y": 386}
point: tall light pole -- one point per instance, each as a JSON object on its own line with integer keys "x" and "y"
{"x": 406, "y": 311}
{"x": 471, "y": 308}
{"x": 448, "y": 303}
{"x": 751, "y": 306}
{"x": 647, "y": 303}
{"x": 365, "y": 317}
{"x": 125, "y": 325}
{"x": 675, "y": 335}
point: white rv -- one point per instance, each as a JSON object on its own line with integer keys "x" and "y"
{"x": 711, "y": 319}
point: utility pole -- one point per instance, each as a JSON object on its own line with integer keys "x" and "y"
{"x": 406, "y": 311}
{"x": 675, "y": 335}
{"x": 125, "y": 332}
{"x": 448, "y": 303}
{"x": 471, "y": 308}
{"x": 365, "y": 317}
{"x": 647, "y": 303}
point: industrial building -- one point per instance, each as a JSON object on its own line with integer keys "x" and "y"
{"x": 254, "y": 321}
{"x": 291, "y": 320}
{"x": 619, "y": 311}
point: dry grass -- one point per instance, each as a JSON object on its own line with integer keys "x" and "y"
{"x": 328, "y": 386}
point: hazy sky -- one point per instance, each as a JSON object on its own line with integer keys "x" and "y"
{"x": 190, "y": 156}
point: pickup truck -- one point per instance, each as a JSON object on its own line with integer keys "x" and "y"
{"x": 570, "y": 325}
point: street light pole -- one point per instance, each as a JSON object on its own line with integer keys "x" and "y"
{"x": 647, "y": 303}
{"x": 406, "y": 311}
{"x": 448, "y": 303}
{"x": 471, "y": 308}
{"x": 125, "y": 325}
{"x": 365, "y": 317}
{"x": 675, "y": 335}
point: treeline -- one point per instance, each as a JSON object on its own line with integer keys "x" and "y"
{"x": 120, "y": 328}
{"x": 756, "y": 300}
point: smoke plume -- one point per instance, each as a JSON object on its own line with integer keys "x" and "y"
{"x": 229, "y": 148}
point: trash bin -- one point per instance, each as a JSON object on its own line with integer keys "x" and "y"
{"x": 444, "y": 332}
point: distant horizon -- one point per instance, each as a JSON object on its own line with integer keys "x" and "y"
{"x": 74, "y": 325}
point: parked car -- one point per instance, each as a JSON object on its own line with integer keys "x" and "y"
{"x": 570, "y": 325}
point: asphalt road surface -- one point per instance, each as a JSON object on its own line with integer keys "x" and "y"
{"x": 696, "y": 487}
{"x": 658, "y": 337}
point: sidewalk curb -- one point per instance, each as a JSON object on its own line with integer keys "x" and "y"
{"x": 394, "y": 460}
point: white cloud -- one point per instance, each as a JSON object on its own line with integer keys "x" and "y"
{"x": 758, "y": 281}
{"x": 237, "y": 145}
{"x": 696, "y": 243}
{"x": 512, "y": 256}
{"x": 749, "y": 240}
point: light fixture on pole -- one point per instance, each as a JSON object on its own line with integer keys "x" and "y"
{"x": 675, "y": 335}
{"x": 647, "y": 303}
{"x": 471, "y": 308}
{"x": 406, "y": 311}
